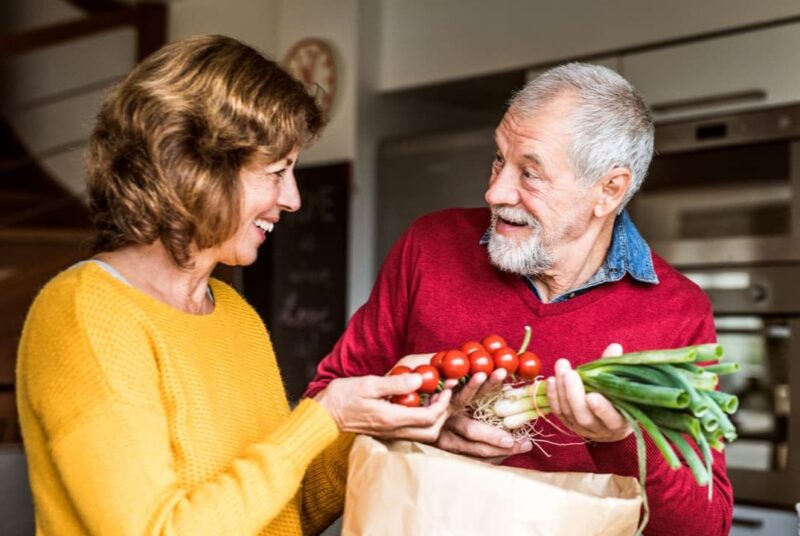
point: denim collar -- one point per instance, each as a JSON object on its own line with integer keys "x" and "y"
{"x": 627, "y": 254}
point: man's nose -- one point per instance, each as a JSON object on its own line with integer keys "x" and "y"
{"x": 502, "y": 189}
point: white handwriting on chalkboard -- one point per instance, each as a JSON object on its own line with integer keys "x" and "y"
{"x": 294, "y": 315}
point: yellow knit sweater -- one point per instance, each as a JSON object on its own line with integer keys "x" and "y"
{"x": 141, "y": 419}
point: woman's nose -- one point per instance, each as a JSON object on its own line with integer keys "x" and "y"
{"x": 289, "y": 197}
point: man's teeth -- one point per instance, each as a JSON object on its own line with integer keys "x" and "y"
{"x": 265, "y": 225}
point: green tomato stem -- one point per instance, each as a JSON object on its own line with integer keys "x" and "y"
{"x": 525, "y": 340}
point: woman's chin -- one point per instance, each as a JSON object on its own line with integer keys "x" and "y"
{"x": 240, "y": 258}
{"x": 247, "y": 260}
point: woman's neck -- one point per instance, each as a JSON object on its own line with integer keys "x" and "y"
{"x": 152, "y": 270}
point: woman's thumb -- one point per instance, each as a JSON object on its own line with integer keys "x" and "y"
{"x": 399, "y": 384}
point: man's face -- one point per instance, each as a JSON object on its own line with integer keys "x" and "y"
{"x": 539, "y": 206}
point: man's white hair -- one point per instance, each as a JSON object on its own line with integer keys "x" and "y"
{"x": 611, "y": 126}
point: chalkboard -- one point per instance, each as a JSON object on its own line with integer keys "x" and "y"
{"x": 298, "y": 283}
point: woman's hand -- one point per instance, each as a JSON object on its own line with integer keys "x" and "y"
{"x": 589, "y": 415}
{"x": 360, "y": 405}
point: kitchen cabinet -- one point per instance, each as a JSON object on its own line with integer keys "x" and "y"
{"x": 424, "y": 43}
{"x": 742, "y": 71}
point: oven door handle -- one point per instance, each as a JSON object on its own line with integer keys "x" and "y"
{"x": 739, "y": 298}
{"x": 748, "y": 522}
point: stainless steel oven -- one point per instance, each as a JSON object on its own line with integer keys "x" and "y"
{"x": 724, "y": 189}
{"x": 757, "y": 313}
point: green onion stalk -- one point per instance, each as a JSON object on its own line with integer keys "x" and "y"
{"x": 670, "y": 395}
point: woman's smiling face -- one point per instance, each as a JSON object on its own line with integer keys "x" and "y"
{"x": 267, "y": 190}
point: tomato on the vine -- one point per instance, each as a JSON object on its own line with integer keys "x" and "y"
{"x": 471, "y": 346}
{"x": 480, "y": 361}
{"x": 506, "y": 358}
{"x": 430, "y": 378}
{"x": 529, "y": 365}
{"x": 410, "y": 400}
{"x": 436, "y": 360}
{"x": 455, "y": 365}
{"x": 399, "y": 369}
{"x": 493, "y": 342}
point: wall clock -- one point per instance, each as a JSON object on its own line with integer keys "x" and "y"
{"x": 312, "y": 62}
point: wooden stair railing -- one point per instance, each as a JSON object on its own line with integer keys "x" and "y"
{"x": 149, "y": 19}
{"x": 43, "y": 227}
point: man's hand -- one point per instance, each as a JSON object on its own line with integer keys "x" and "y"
{"x": 464, "y": 435}
{"x": 589, "y": 415}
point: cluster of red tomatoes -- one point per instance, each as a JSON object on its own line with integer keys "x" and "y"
{"x": 472, "y": 357}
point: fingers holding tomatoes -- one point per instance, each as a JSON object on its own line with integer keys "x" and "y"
{"x": 409, "y": 400}
{"x": 430, "y": 379}
{"x": 363, "y": 405}
{"x": 399, "y": 369}
{"x": 456, "y": 367}
{"x": 477, "y": 387}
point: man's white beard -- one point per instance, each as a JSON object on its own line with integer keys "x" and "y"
{"x": 523, "y": 257}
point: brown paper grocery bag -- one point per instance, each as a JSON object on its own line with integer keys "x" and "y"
{"x": 403, "y": 488}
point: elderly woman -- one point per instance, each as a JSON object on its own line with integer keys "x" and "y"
{"x": 149, "y": 395}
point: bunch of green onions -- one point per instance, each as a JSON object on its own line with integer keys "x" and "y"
{"x": 665, "y": 393}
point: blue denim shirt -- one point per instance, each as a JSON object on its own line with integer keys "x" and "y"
{"x": 627, "y": 254}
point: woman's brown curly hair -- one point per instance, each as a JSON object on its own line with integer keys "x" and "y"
{"x": 170, "y": 140}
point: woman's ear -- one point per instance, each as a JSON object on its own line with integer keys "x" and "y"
{"x": 613, "y": 187}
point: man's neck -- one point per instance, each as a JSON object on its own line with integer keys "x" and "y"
{"x": 576, "y": 263}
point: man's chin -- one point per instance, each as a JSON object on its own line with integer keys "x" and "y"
{"x": 518, "y": 262}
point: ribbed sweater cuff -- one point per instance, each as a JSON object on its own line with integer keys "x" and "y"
{"x": 334, "y": 469}
{"x": 306, "y": 433}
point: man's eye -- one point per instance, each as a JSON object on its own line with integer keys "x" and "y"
{"x": 498, "y": 159}
{"x": 529, "y": 174}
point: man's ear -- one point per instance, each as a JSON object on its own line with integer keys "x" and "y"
{"x": 612, "y": 189}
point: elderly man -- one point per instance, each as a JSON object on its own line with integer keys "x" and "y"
{"x": 556, "y": 251}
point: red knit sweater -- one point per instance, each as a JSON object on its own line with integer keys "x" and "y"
{"x": 438, "y": 290}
